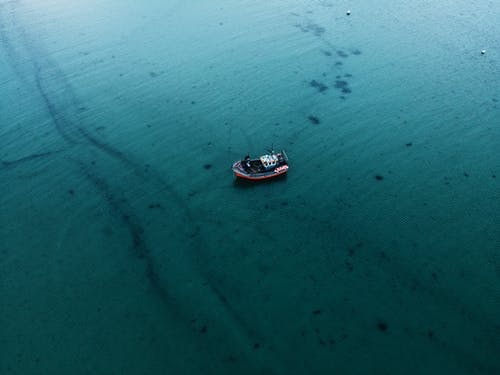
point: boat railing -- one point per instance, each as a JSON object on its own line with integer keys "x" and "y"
{"x": 285, "y": 157}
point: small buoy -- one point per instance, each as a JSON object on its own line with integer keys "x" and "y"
{"x": 483, "y": 51}
{"x": 348, "y": 12}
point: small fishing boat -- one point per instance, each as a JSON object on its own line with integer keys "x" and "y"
{"x": 266, "y": 166}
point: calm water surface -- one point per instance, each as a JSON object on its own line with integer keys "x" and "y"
{"x": 128, "y": 248}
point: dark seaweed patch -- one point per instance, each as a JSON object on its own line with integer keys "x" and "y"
{"x": 47, "y": 75}
{"x": 382, "y": 326}
{"x": 155, "y": 74}
{"x": 60, "y": 122}
{"x": 110, "y": 150}
{"x": 135, "y": 229}
{"x": 342, "y": 54}
{"x": 318, "y": 85}
{"x": 339, "y": 84}
{"x": 207, "y": 166}
{"x": 348, "y": 75}
{"x": 379, "y": 177}
{"x": 203, "y": 329}
{"x": 256, "y": 345}
{"x": 13, "y": 163}
{"x": 339, "y": 63}
{"x": 155, "y": 205}
{"x": 314, "y": 120}
{"x": 409, "y": 144}
{"x": 316, "y": 29}
{"x": 343, "y": 86}
{"x": 355, "y": 51}
{"x": 317, "y": 312}
{"x": 326, "y": 53}
{"x": 321, "y": 341}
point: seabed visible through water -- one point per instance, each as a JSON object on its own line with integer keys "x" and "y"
{"x": 129, "y": 248}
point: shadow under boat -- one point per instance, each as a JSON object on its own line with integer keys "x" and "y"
{"x": 242, "y": 183}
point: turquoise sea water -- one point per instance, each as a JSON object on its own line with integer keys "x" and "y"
{"x": 127, "y": 247}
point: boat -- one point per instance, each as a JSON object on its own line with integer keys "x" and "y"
{"x": 266, "y": 166}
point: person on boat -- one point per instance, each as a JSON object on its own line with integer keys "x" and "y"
{"x": 247, "y": 161}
